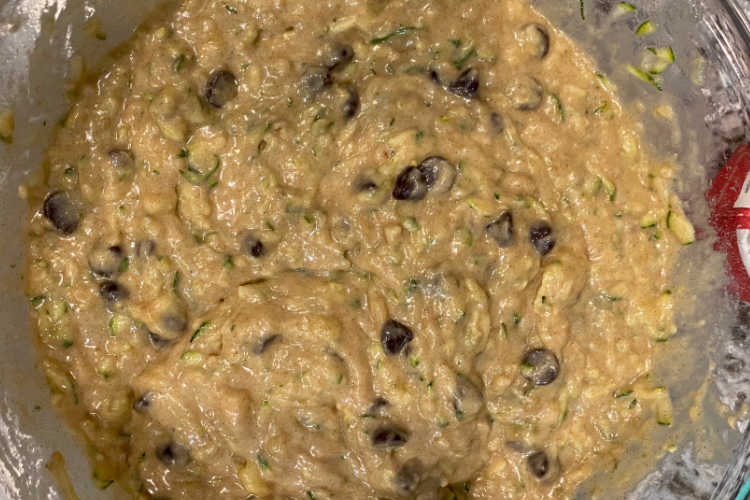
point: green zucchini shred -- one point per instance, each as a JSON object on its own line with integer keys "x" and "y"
{"x": 262, "y": 462}
{"x": 681, "y": 227}
{"x": 101, "y": 482}
{"x": 400, "y": 31}
{"x": 665, "y": 53}
{"x": 199, "y": 331}
{"x": 644, "y": 76}
{"x": 192, "y": 357}
{"x": 191, "y": 177}
{"x": 659, "y": 60}
{"x": 646, "y": 28}
{"x": 664, "y": 412}
{"x": 601, "y": 108}
{"x": 657, "y": 67}
{"x": 195, "y": 177}
{"x": 461, "y": 60}
{"x": 609, "y": 188}
{"x": 558, "y": 106}
{"x": 178, "y": 62}
{"x": 610, "y": 298}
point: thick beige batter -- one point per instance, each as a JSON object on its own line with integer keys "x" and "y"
{"x": 368, "y": 249}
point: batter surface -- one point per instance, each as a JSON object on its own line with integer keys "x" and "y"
{"x": 367, "y": 249}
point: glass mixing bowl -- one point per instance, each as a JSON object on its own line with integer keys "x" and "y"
{"x": 705, "y": 454}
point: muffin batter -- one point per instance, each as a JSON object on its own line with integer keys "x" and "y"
{"x": 372, "y": 249}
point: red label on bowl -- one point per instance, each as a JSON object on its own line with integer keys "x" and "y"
{"x": 729, "y": 201}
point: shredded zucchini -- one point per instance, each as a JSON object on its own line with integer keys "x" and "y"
{"x": 680, "y": 226}
{"x": 624, "y": 8}
{"x": 177, "y": 64}
{"x": 200, "y": 331}
{"x": 192, "y": 358}
{"x": 646, "y": 28}
{"x": 195, "y": 177}
{"x": 463, "y": 236}
{"x": 102, "y": 477}
{"x": 663, "y": 403}
{"x": 461, "y": 60}
{"x": 262, "y": 462}
{"x": 118, "y": 324}
{"x": 606, "y": 84}
{"x": 558, "y": 106}
{"x": 657, "y": 60}
{"x": 64, "y": 335}
{"x": 643, "y": 75}
{"x": 601, "y": 108}
{"x": 609, "y": 188}
{"x": 656, "y": 67}
{"x": 649, "y": 221}
{"x": 400, "y": 31}
{"x": 665, "y": 53}
{"x": 58, "y": 309}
